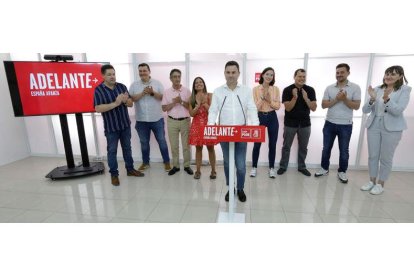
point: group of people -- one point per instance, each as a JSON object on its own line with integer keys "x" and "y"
{"x": 236, "y": 104}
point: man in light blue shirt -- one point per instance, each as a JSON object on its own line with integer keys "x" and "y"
{"x": 341, "y": 99}
{"x": 147, "y": 94}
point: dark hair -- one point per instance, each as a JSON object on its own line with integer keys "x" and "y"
{"x": 144, "y": 64}
{"x": 193, "y": 93}
{"x": 400, "y": 71}
{"x": 232, "y": 63}
{"x": 341, "y": 65}
{"x": 175, "y": 70}
{"x": 106, "y": 67}
{"x": 264, "y": 72}
{"x": 299, "y": 70}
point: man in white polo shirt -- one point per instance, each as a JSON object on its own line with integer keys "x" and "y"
{"x": 341, "y": 99}
{"x": 233, "y": 104}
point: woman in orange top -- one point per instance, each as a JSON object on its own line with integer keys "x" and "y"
{"x": 200, "y": 102}
{"x": 267, "y": 99}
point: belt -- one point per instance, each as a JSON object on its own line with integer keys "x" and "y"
{"x": 265, "y": 113}
{"x": 178, "y": 119}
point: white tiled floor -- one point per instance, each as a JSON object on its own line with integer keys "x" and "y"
{"x": 27, "y": 196}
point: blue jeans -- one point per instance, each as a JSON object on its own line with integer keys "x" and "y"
{"x": 144, "y": 133}
{"x": 112, "y": 139}
{"x": 240, "y": 160}
{"x": 272, "y": 125}
{"x": 330, "y": 131}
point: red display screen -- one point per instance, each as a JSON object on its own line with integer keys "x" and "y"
{"x": 48, "y": 88}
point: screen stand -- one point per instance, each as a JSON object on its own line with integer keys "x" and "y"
{"x": 70, "y": 171}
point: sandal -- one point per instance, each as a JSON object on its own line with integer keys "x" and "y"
{"x": 213, "y": 175}
{"x": 197, "y": 175}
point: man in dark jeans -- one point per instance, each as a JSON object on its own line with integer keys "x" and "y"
{"x": 147, "y": 95}
{"x": 233, "y": 105}
{"x": 341, "y": 99}
{"x": 112, "y": 100}
{"x": 299, "y": 99}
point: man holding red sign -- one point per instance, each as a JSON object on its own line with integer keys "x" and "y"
{"x": 231, "y": 103}
{"x": 112, "y": 100}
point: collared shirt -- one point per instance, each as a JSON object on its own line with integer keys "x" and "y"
{"x": 115, "y": 119}
{"x": 233, "y": 107}
{"x": 178, "y": 111}
{"x": 339, "y": 113}
{"x": 263, "y": 105}
{"x": 299, "y": 115}
{"x": 148, "y": 108}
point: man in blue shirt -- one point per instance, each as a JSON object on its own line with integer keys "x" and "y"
{"x": 112, "y": 100}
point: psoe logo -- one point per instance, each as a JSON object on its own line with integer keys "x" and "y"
{"x": 245, "y": 133}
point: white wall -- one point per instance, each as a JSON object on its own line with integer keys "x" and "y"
{"x": 13, "y": 139}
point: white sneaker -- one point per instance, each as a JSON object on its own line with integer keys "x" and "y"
{"x": 342, "y": 177}
{"x": 368, "y": 186}
{"x": 321, "y": 172}
{"x": 253, "y": 172}
{"x": 377, "y": 190}
{"x": 272, "y": 173}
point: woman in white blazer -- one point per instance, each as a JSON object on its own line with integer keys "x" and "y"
{"x": 385, "y": 125}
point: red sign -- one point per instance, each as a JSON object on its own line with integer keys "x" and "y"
{"x": 257, "y": 77}
{"x": 46, "y": 88}
{"x": 235, "y": 133}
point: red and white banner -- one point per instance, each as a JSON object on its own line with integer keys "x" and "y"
{"x": 235, "y": 133}
{"x": 57, "y": 88}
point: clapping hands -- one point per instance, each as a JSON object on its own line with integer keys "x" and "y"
{"x": 372, "y": 93}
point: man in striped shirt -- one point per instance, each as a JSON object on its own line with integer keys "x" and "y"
{"x": 112, "y": 100}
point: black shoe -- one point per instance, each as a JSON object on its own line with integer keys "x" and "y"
{"x": 281, "y": 171}
{"x": 189, "y": 170}
{"x": 173, "y": 171}
{"x": 241, "y": 195}
{"x": 305, "y": 172}
{"x": 226, "y": 198}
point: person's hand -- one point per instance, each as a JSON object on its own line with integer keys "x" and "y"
{"x": 341, "y": 96}
{"x": 372, "y": 93}
{"x": 305, "y": 95}
{"x": 295, "y": 93}
{"x": 150, "y": 91}
{"x": 119, "y": 99}
{"x": 125, "y": 97}
{"x": 266, "y": 96}
{"x": 387, "y": 93}
{"x": 146, "y": 90}
{"x": 177, "y": 99}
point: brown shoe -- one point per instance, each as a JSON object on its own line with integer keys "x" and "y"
{"x": 197, "y": 175}
{"x": 115, "y": 180}
{"x": 134, "y": 172}
{"x": 143, "y": 167}
{"x": 213, "y": 175}
{"x": 167, "y": 167}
